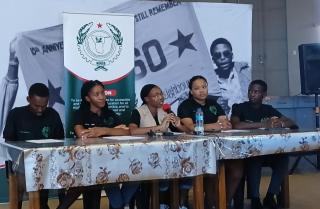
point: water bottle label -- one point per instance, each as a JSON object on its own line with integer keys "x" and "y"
{"x": 199, "y": 129}
{"x": 199, "y": 117}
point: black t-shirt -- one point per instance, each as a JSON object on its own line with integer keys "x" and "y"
{"x": 211, "y": 110}
{"x": 247, "y": 113}
{"x": 88, "y": 119}
{"x": 135, "y": 118}
{"x": 22, "y": 124}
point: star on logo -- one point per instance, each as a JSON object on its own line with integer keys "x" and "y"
{"x": 54, "y": 95}
{"x": 183, "y": 42}
{"x": 99, "y": 25}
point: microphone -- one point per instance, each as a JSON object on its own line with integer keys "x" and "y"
{"x": 166, "y": 107}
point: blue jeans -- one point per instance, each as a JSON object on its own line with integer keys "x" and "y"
{"x": 143, "y": 193}
{"x": 119, "y": 197}
{"x": 184, "y": 183}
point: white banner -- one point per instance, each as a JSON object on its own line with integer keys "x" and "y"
{"x": 98, "y": 46}
{"x": 43, "y": 57}
{"x": 40, "y": 57}
{"x": 230, "y": 23}
{"x": 169, "y": 48}
{"x": 172, "y": 43}
{"x": 19, "y": 17}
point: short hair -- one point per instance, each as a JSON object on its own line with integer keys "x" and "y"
{"x": 260, "y": 83}
{"x": 219, "y": 41}
{"x": 38, "y": 89}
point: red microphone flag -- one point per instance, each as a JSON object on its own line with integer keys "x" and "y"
{"x": 166, "y": 107}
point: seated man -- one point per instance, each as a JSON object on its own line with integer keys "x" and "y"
{"x": 253, "y": 115}
{"x": 34, "y": 121}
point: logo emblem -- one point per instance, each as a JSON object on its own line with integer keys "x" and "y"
{"x": 213, "y": 109}
{"x": 45, "y": 131}
{"x": 100, "y": 45}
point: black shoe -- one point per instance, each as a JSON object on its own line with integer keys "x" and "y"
{"x": 270, "y": 203}
{"x": 256, "y": 203}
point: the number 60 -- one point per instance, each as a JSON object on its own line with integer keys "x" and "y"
{"x": 146, "y": 48}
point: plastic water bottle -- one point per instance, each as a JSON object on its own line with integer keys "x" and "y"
{"x": 199, "y": 128}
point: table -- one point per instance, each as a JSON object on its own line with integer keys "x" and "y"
{"x": 72, "y": 163}
{"x": 245, "y": 144}
{"x": 84, "y": 162}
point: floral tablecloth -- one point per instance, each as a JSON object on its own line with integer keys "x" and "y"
{"x": 244, "y": 144}
{"x": 72, "y": 163}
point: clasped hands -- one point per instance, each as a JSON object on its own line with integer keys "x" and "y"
{"x": 273, "y": 122}
{"x": 222, "y": 124}
{"x": 98, "y": 131}
{"x": 169, "y": 118}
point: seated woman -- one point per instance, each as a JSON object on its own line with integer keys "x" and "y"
{"x": 150, "y": 117}
{"x": 214, "y": 120}
{"x": 95, "y": 119}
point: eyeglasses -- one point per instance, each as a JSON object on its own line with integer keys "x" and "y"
{"x": 218, "y": 55}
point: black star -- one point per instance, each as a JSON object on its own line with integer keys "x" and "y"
{"x": 54, "y": 95}
{"x": 183, "y": 42}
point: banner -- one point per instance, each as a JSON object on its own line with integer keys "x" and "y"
{"x": 40, "y": 56}
{"x": 35, "y": 55}
{"x": 99, "y": 47}
{"x": 169, "y": 48}
{"x": 172, "y": 44}
{"x": 232, "y": 24}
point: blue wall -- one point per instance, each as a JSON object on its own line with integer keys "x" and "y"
{"x": 298, "y": 108}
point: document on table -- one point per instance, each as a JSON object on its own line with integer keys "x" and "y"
{"x": 235, "y": 131}
{"x": 41, "y": 141}
{"x": 178, "y": 133}
{"x": 124, "y": 138}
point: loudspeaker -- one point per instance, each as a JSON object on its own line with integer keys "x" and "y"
{"x": 309, "y": 57}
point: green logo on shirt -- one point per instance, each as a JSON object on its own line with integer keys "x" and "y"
{"x": 213, "y": 109}
{"x": 45, "y": 131}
